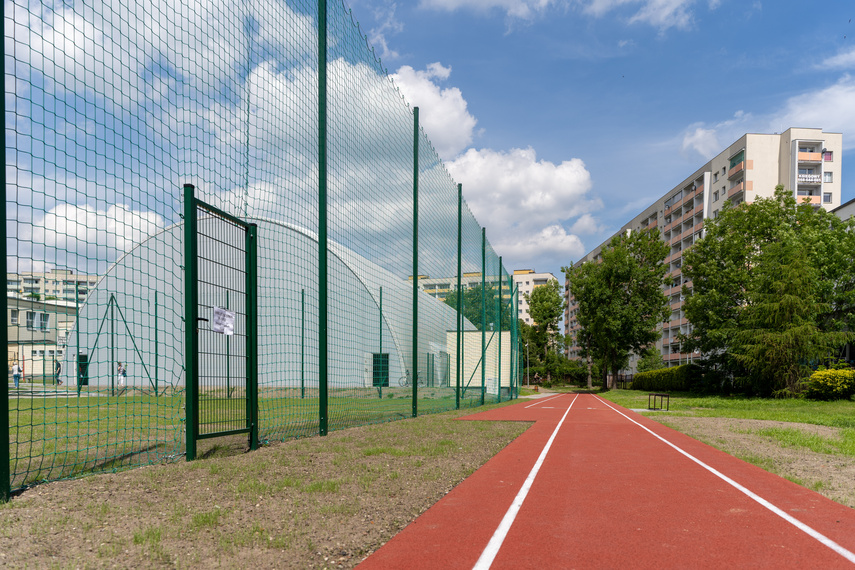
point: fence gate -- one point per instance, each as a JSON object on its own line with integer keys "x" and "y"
{"x": 220, "y": 324}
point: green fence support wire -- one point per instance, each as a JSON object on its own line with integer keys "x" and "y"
{"x": 191, "y": 365}
{"x": 415, "y": 366}
{"x": 323, "y": 285}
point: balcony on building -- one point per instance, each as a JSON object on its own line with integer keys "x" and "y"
{"x": 736, "y": 170}
{"x": 809, "y": 157}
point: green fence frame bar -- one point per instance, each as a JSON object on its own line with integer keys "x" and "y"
{"x": 191, "y": 363}
{"x": 415, "y": 261}
{"x": 459, "y": 291}
{"x": 483, "y": 311}
{"x": 302, "y": 343}
{"x": 499, "y": 375}
{"x": 380, "y": 352}
{"x": 323, "y": 286}
{"x": 252, "y": 334}
{"x": 5, "y": 453}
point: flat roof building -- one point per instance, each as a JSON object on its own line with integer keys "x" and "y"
{"x": 526, "y": 280}
{"x": 806, "y": 161}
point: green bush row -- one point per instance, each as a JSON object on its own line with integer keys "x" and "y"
{"x": 830, "y": 385}
{"x": 677, "y": 379}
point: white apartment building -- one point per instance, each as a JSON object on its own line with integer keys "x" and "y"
{"x": 526, "y": 280}
{"x": 59, "y": 284}
{"x": 806, "y": 161}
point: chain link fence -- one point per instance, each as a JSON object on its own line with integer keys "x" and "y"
{"x": 377, "y": 296}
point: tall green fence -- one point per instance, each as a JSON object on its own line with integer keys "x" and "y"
{"x": 377, "y": 294}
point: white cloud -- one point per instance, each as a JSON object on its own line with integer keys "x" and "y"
{"x": 843, "y": 60}
{"x": 443, "y": 112}
{"x": 552, "y": 245}
{"x": 69, "y": 233}
{"x": 525, "y": 204}
{"x": 702, "y": 140}
{"x": 705, "y": 140}
{"x": 388, "y": 24}
{"x": 662, "y": 14}
{"x": 520, "y": 9}
{"x": 831, "y": 108}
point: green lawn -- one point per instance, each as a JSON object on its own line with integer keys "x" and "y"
{"x": 839, "y": 414}
{"x": 64, "y": 436}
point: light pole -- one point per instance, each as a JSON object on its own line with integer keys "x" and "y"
{"x": 527, "y": 366}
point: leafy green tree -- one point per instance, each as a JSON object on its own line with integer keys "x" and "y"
{"x": 773, "y": 290}
{"x": 651, "y": 359}
{"x": 546, "y": 305}
{"x": 620, "y": 299}
{"x": 472, "y": 309}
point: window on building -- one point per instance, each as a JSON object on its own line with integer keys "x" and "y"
{"x": 826, "y": 197}
{"x": 715, "y": 196}
{"x": 715, "y": 177}
{"x": 715, "y": 214}
{"x": 828, "y": 156}
{"x": 14, "y": 317}
{"x": 827, "y": 177}
{"x": 38, "y": 321}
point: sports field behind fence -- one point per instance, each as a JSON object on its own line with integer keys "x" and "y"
{"x": 225, "y": 219}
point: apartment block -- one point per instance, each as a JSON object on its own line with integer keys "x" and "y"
{"x": 806, "y": 161}
{"x": 59, "y": 284}
{"x": 526, "y": 280}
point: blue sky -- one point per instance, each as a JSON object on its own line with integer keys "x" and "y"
{"x": 564, "y": 118}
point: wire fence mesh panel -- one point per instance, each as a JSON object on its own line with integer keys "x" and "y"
{"x": 110, "y": 108}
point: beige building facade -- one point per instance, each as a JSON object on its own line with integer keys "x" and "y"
{"x": 806, "y": 161}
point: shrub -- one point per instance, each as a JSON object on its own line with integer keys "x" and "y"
{"x": 830, "y": 385}
{"x": 676, "y": 379}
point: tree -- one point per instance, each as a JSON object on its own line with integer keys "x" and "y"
{"x": 621, "y": 303}
{"x": 651, "y": 359}
{"x": 546, "y": 305}
{"x": 773, "y": 287}
{"x": 472, "y": 308}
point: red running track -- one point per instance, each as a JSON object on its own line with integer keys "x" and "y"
{"x": 593, "y": 485}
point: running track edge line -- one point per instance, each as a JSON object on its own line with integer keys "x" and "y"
{"x": 492, "y": 548}
{"x": 757, "y": 498}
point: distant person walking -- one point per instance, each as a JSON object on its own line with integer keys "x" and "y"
{"x": 123, "y": 375}
{"x": 57, "y": 370}
{"x": 17, "y": 372}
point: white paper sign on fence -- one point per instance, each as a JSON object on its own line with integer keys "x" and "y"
{"x": 224, "y": 321}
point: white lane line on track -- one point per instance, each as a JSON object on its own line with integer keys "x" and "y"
{"x": 850, "y": 556}
{"x": 492, "y": 549}
{"x": 539, "y": 402}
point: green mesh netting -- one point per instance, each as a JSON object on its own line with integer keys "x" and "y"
{"x": 110, "y": 108}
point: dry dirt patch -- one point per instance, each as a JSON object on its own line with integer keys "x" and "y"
{"x": 830, "y": 475}
{"x": 310, "y": 503}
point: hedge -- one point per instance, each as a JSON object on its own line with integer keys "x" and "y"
{"x": 677, "y": 379}
{"x": 830, "y": 385}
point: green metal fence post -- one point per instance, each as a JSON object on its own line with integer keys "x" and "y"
{"x": 5, "y": 453}
{"x": 483, "y": 312}
{"x": 302, "y": 343}
{"x": 191, "y": 370}
{"x": 228, "y": 337}
{"x": 459, "y": 370}
{"x": 382, "y": 378}
{"x": 252, "y": 333}
{"x": 415, "y": 260}
{"x": 499, "y": 375}
{"x": 112, "y": 348}
{"x": 323, "y": 346}
{"x": 156, "y": 350}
